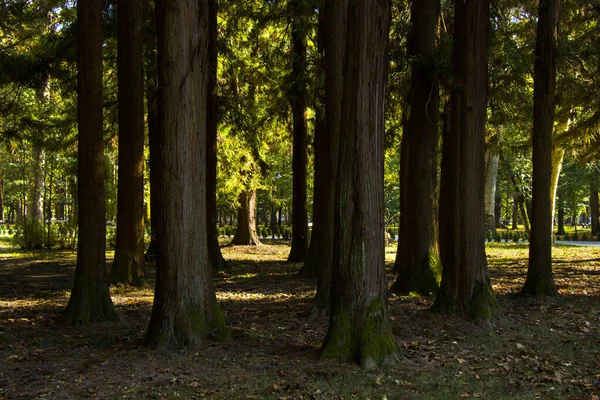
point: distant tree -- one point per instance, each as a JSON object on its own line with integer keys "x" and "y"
{"x": 417, "y": 260}
{"x": 359, "y": 326}
{"x": 185, "y": 311}
{"x": 90, "y": 299}
{"x": 540, "y": 281}
{"x": 465, "y": 288}
{"x": 128, "y": 266}
{"x": 245, "y": 233}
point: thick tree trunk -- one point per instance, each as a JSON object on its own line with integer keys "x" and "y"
{"x": 216, "y": 258}
{"x": 90, "y": 298}
{"x": 185, "y": 312}
{"x": 594, "y": 209}
{"x": 298, "y": 98}
{"x": 128, "y": 266}
{"x": 327, "y": 148}
{"x": 540, "y": 281}
{"x": 417, "y": 259}
{"x": 359, "y": 327}
{"x": 465, "y": 288}
{"x": 245, "y": 233}
{"x": 492, "y": 157}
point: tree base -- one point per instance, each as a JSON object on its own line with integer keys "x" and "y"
{"x": 539, "y": 286}
{"x": 89, "y": 305}
{"x": 482, "y": 305}
{"x": 425, "y": 280}
{"x": 128, "y": 273}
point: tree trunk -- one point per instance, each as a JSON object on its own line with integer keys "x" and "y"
{"x": 594, "y": 209}
{"x": 216, "y": 258}
{"x": 327, "y": 148}
{"x": 515, "y": 213}
{"x": 128, "y": 266}
{"x": 465, "y": 289}
{"x": 491, "y": 176}
{"x": 298, "y": 96}
{"x": 245, "y": 233}
{"x": 90, "y": 298}
{"x": 498, "y": 205}
{"x": 417, "y": 259}
{"x": 359, "y": 327}
{"x": 185, "y": 312}
{"x": 2, "y": 200}
{"x": 518, "y": 195}
{"x": 558, "y": 155}
{"x": 561, "y": 218}
{"x": 540, "y": 281}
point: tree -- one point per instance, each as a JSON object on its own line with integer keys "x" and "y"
{"x": 185, "y": 311}
{"x": 128, "y": 265}
{"x": 320, "y": 258}
{"x": 245, "y": 233}
{"x": 465, "y": 288}
{"x": 90, "y": 298}
{"x": 216, "y": 258}
{"x": 539, "y": 280}
{"x": 359, "y": 326}
{"x": 417, "y": 261}
{"x": 298, "y": 99}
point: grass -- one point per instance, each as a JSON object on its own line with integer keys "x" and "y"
{"x": 535, "y": 348}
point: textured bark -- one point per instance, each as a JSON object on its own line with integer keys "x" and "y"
{"x": 561, "y": 219}
{"x": 128, "y": 266}
{"x": 540, "y": 281}
{"x": 594, "y": 209}
{"x": 34, "y": 207}
{"x": 245, "y": 233}
{"x": 185, "y": 311}
{"x": 359, "y": 327}
{"x": 327, "y": 147}
{"x": 417, "y": 258}
{"x": 492, "y": 157}
{"x": 465, "y": 289}
{"x": 216, "y": 258}
{"x": 90, "y": 297}
{"x": 298, "y": 98}
{"x": 558, "y": 154}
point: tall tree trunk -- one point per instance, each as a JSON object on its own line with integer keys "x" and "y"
{"x": 498, "y": 205}
{"x": 128, "y": 266}
{"x": 540, "y": 281}
{"x": 185, "y": 312}
{"x": 1, "y": 199}
{"x": 90, "y": 298}
{"x": 298, "y": 96}
{"x": 359, "y": 327}
{"x": 491, "y": 176}
{"x": 561, "y": 218}
{"x": 417, "y": 259}
{"x": 327, "y": 148}
{"x": 594, "y": 208}
{"x": 465, "y": 288}
{"x": 515, "y": 213}
{"x": 558, "y": 154}
{"x": 245, "y": 233}
{"x": 216, "y": 258}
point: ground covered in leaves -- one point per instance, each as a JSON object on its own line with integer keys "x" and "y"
{"x": 548, "y": 349}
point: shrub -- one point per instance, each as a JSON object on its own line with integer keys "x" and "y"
{"x": 584, "y": 237}
{"x": 391, "y": 232}
{"x": 489, "y": 235}
{"x": 287, "y": 233}
{"x": 575, "y": 237}
{"x": 497, "y": 238}
{"x": 516, "y": 237}
{"x": 276, "y": 231}
{"x": 11, "y": 231}
{"x": 30, "y": 235}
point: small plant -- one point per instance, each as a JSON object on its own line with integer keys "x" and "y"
{"x": 584, "y": 237}
{"x": 497, "y": 238}
{"x": 287, "y": 233}
{"x": 516, "y": 237}
{"x": 489, "y": 236}
{"x": 11, "y": 231}
{"x": 575, "y": 237}
{"x": 391, "y": 232}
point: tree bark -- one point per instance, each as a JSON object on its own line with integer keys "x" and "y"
{"x": 465, "y": 289}
{"x": 185, "y": 312}
{"x": 417, "y": 258}
{"x": 298, "y": 98}
{"x": 90, "y": 298}
{"x": 359, "y": 327}
{"x": 492, "y": 157}
{"x": 540, "y": 281}
{"x": 594, "y": 208}
{"x": 1, "y": 200}
{"x": 216, "y": 258}
{"x": 561, "y": 218}
{"x": 245, "y": 233}
{"x": 128, "y": 266}
{"x": 558, "y": 154}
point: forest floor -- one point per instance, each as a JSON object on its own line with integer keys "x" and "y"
{"x": 547, "y": 349}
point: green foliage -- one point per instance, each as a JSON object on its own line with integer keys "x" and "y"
{"x": 575, "y": 237}
{"x": 584, "y": 237}
{"x": 29, "y": 235}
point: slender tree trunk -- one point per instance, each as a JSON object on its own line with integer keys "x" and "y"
{"x": 558, "y": 155}
{"x": 466, "y": 288}
{"x": 417, "y": 259}
{"x": 327, "y": 148}
{"x": 216, "y": 258}
{"x": 185, "y": 312}
{"x": 491, "y": 176}
{"x": 518, "y": 195}
{"x": 498, "y": 205}
{"x": 540, "y": 281}
{"x": 561, "y": 218}
{"x": 245, "y": 233}
{"x": 359, "y": 327}
{"x": 1, "y": 199}
{"x": 128, "y": 266}
{"x": 515, "y": 213}
{"x": 594, "y": 208}
{"x": 90, "y": 298}
{"x": 298, "y": 100}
